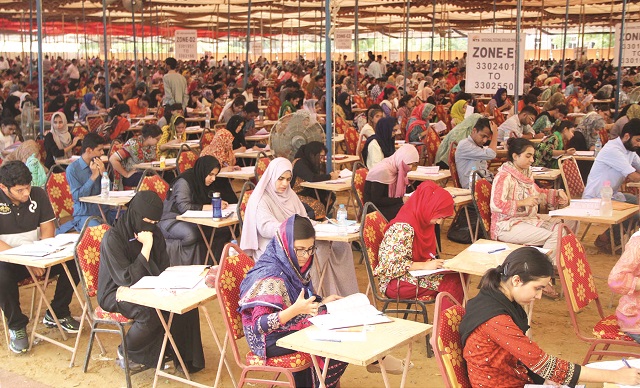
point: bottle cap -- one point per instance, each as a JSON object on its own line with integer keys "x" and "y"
{"x": 216, "y": 195}
{"x": 607, "y": 184}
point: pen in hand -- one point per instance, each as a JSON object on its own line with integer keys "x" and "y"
{"x": 624, "y": 360}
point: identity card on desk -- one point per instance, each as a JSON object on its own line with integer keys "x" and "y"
{"x": 354, "y": 310}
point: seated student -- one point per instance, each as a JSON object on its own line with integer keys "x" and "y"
{"x": 193, "y": 190}
{"x": 273, "y": 296}
{"x": 499, "y": 102}
{"x": 471, "y": 151}
{"x": 26, "y": 214}
{"x": 84, "y": 176}
{"x": 235, "y": 126}
{"x": 520, "y": 125}
{"x": 119, "y": 114}
{"x": 418, "y": 123}
{"x": 289, "y": 104}
{"x": 234, "y": 108}
{"x": 139, "y": 106}
{"x": 387, "y": 182}
{"x": 590, "y": 127}
{"x": 497, "y": 351}
{"x": 623, "y": 280}
{"x": 132, "y": 249}
{"x": 194, "y": 105}
{"x": 59, "y": 142}
{"x": 310, "y": 166}
{"x": 173, "y": 133}
{"x": 272, "y": 202}
{"x": 89, "y": 107}
{"x": 409, "y": 243}
{"x": 458, "y": 133}
{"x": 139, "y": 149}
{"x": 382, "y": 144}
{"x": 169, "y": 112}
{"x": 28, "y": 152}
{"x": 249, "y": 113}
{"x": 631, "y": 111}
{"x": 389, "y": 94}
{"x": 553, "y": 146}
{"x": 374, "y": 114}
{"x": 8, "y": 129}
{"x": 616, "y": 162}
{"x": 549, "y": 118}
{"x": 343, "y": 106}
{"x": 221, "y": 147}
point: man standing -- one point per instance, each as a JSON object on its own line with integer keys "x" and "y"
{"x": 471, "y": 151}
{"x": 74, "y": 75}
{"x": 24, "y": 210}
{"x": 175, "y": 85}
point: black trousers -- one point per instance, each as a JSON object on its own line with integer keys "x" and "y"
{"x": 11, "y": 274}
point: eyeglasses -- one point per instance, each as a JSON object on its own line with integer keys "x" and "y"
{"x": 306, "y": 252}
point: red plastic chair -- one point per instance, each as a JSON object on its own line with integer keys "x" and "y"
{"x": 59, "y": 193}
{"x": 207, "y": 138}
{"x": 151, "y": 181}
{"x": 94, "y": 121}
{"x": 481, "y": 194}
{"x": 231, "y": 272}
{"x": 432, "y": 141}
{"x": 359, "y": 101}
{"x": 580, "y": 291}
{"x": 351, "y": 139}
{"x": 186, "y": 158}
{"x": 247, "y": 189}
{"x": 358, "y": 178}
{"x": 216, "y": 111}
{"x": 273, "y": 107}
{"x": 261, "y": 167}
{"x": 452, "y": 164}
{"x": 447, "y": 344}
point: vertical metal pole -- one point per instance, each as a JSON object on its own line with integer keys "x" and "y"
{"x": 40, "y": 73}
{"x": 84, "y": 24}
{"x": 106, "y": 52}
{"x": 142, "y": 26}
{"x": 620, "y": 53}
{"x": 22, "y": 37}
{"x": 356, "y": 59}
{"x": 433, "y": 33}
{"x": 494, "y": 16}
{"x": 299, "y": 32}
{"x": 564, "y": 41}
{"x": 329, "y": 89}
{"x": 30, "y": 41}
{"x": 228, "y": 32}
{"x": 133, "y": 27}
{"x": 217, "y": 29}
{"x": 246, "y": 57}
{"x": 516, "y": 88}
{"x": 406, "y": 49}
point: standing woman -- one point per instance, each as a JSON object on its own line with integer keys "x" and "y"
{"x": 410, "y": 243}
{"x": 139, "y": 149}
{"x": 498, "y": 352}
{"x": 382, "y": 144}
{"x": 59, "y": 142}
{"x": 277, "y": 297}
{"x": 130, "y": 250}
{"x": 270, "y": 204}
{"x": 387, "y": 182}
{"x": 192, "y": 190}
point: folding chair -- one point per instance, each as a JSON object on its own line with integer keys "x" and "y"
{"x": 151, "y": 181}
{"x": 186, "y": 158}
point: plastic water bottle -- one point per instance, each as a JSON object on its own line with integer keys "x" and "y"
{"x": 216, "y": 204}
{"x": 598, "y": 147}
{"x": 606, "y": 207}
{"x": 473, "y": 170}
{"x": 232, "y": 251}
{"x": 105, "y": 184}
{"x": 75, "y": 117}
{"x": 207, "y": 120}
{"x": 341, "y": 217}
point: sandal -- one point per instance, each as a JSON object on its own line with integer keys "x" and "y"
{"x": 550, "y": 292}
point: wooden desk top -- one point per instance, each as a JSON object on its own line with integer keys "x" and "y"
{"x": 477, "y": 263}
{"x": 258, "y": 137}
{"x": 245, "y": 173}
{"x": 381, "y": 340}
{"x": 191, "y": 144}
{"x": 417, "y": 176}
{"x": 633, "y": 184}
{"x": 39, "y": 262}
{"x": 251, "y": 154}
{"x": 351, "y": 237}
{"x": 344, "y": 159}
{"x": 194, "y": 119}
{"x": 547, "y": 175}
{"x": 155, "y": 166}
{"x": 621, "y": 212}
{"x": 206, "y": 221}
{"x": 587, "y": 158}
{"x": 265, "y": 123}
{"x": 179, "y": 302}
{"x": 344, "y": 185}
{"x": 194, "y": 131}
{"x": 112, "y": 201}
{"x": 458, "y": 199}
{"x": 338, "y": 138}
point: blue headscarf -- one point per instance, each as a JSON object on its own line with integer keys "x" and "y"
{"x": 278, "y": 263}
{"x": 498, "y": 97}
{"x": 87, "y": 101}
{"x": 384, "y": 136}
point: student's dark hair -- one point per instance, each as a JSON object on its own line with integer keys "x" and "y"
{"x": 388, "y": 91}
{"x": 562, "y": 108}
{"x": 14, "y": 173}
{"x": 239, "y": 101}
{"x": 92, "y": 140}
{"x": 179, "y": 120}
{"x": 632, "y": 128}
{"x": 234, "y": 121}
{"x": 251, "y": 107}
{"x": 528, "y": 109}
{"x": 175, "y": 106}
{"x": 530, "y": 99}
{"x": 150, "y": 130}
{"x": 372, "y": 111}
{"x": 143, "y": 98}
{"x": 171, "y": 62}
{"x": 482, "y": 123}
{"x": 517, "y": 145}
{"x": 302, "y": 228}
{"x": 463, "y": 96}
{"x": 404, "y": 100}
{"x": 9, "y": 121}
{"x": 526, "y": 262}
{"x": 564, "y": 124}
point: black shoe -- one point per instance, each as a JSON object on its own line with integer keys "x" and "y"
{"x": 69, "y": 324}
{"x": 134, "y": 367}
{"x": 19, "y": 341}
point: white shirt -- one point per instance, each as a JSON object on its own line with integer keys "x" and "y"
{"x": 73, "y": 72}
{"x": 4, "y": 64}
{"x": 512, "y": 124}
{"x": 613, "y": 163}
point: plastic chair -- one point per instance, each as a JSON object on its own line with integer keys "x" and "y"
{"x": 372, "y": 227}
{"x": 481, "y": 195}
{"x": 216, "y": 111}
{"x": 358, "y": 101}
{"x": 604, "y": 136}
{"x": 186, "y": 158}
{"x": 87, "y": 257}
{"x": 59, "y": 193}
{"x": 358, "y": 178}
{"x": 447, "y": 344}
{"x": 351, "y": 139}
{"x": 94, "y": 121}
{"x": 273, "y": 107}
{"x": 573, "y": 182}
{"x": 580, "y": 291}
{"x": 432, "y": 140}
{"x": 231, "y": 272}
{"x": 452, "y": 164}
{"x": 207, "y": 138}
{"x": 247, "y": 189}
{"x": 151, "y": 181}
{"x": 261, "y": 166}
{"x": 341, "y": 125}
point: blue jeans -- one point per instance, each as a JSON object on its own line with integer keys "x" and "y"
{"x": 636, "y": 337}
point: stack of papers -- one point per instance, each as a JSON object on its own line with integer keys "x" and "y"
{"x": 439, "y": 127}
{"x": 346, "y": 173}
{"x": 59, "y": 246}
{"x": 226, "y": 212}
{"x": 584, "y": 153}
{"x": 122, "y": 194}
{"x": 334, "y": 230}
{"x": 580, "y": 208}
{"x": 354, "y": 310}
{"x": 354, "y": 335}
{"x": 179, "y": 277}
{"x": 427, "y": 272}
{"x": 428, "y": 170}
{"x": 263, "y": 131}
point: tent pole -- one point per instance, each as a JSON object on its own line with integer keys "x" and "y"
{"x": 84, "y": 24}
{"x": 40, "y": 73}
{"x": 620, "y": 54}
{"x": 31, "y": 41}
{"x": 433, "y": 33}
{"x": 406, "y": 48}
{"x": 246, "y": 57}
{"x": 516, "y": 88}
{"x": 299, "y": 30}
{"x": 356, "y": 59}
{"x": 142, "y": 27}
{"x": 106, "y": 53}
{"x": 329, "y": 89}
{"x": 133, "y": 27}
{"x": 494, "y": 16}
{"x": 564, "y": 42}
{"x": 228, "y": 32}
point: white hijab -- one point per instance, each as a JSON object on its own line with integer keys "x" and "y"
{"x": 62, "y": 137}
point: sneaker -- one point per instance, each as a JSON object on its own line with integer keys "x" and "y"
{"x": 19, "y": 341}
{"x": 68, "y": 323}
{"x": 134, "y": 367}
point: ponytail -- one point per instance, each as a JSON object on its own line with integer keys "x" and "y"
{"x": 526, "y": 262}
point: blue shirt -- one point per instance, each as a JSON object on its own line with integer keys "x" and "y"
{"x": 613, "y": 163}
{"x": 79, "y": 178}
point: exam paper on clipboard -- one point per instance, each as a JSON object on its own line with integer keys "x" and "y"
{"x": 354, "y": 310}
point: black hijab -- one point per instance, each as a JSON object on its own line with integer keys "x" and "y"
{"x": 238, "y": 137}
{"x": 308, "y": 153}
{"x": 384, "y": 136}
{"x": 195, "y": 177}
{"x": 9, "y": 109}
{"x": 55, "y": 105}
{"x": 342, "y": 101}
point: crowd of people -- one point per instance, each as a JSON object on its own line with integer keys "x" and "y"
{"x": 554, "y": 118}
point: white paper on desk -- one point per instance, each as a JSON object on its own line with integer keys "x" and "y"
{"x": 440, "y": 126}
{"x": 263, "y": 131}
{"x": 427, "y": 272}
{"x": 171, "y": 161}
{"x": 428, "y": 170}
{"x": 552, "y": 386}
{"x": 337, "y": 181}
{"x": 64, "y": 252}
{"x": 584, "y": 153}
{"x": 337, "y": 336}
{"x": 486, "y": 248}
{"x": 353, "y": 310}
{"x": 334, "y": 230}
{"x": 400, "y": 142}
{"x": 34, "y": 250}
{"x": 229, "y": 210}
{"x": 345, "y": 173}
{"x": 170, "y": 280}
{"x": 539, "y": 169}
{"x": 469, "y": 111}
{"x": 458, "y": 191}
{"x": 580, "y": 208}
{"x": 122, "y": 194}
{"x": 59, "y": 240}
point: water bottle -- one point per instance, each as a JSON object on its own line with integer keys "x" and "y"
{"x": 232, "y": 251}
{"x": 216, "y": 204}
{"x": 606, "y": 207}
{"x": 341, "y": 217}
{"x": 598, "y": 147}
{"x": 105, "y": 183}
{"x": 473, "y": 170}
{"x": 75, "y": 117}
{"x": 207, "y": 120}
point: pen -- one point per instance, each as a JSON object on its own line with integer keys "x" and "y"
{"x": 328, "y": 340}
{"x": 624, "y": 360}
{"x": 497, "y": 250}
{"x": 133, "y": 239}
{"x": 432, "y": 256}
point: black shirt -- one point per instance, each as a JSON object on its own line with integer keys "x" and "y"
{"x": 19, "y": 223}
